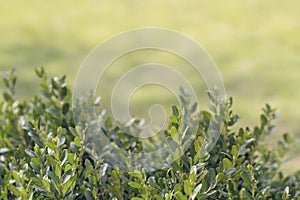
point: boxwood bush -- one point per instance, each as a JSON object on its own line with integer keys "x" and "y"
{"x": 43, "y": 155}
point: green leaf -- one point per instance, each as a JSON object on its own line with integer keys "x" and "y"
{"x": 175, "y": 111}
{"x": 58, "y": 170}
{"x": 221, "y": 177}
{"x": 16, "y": 176}
{"x": 7, "y": 97}
{"x": 50, "y": 145}
{"x": 40, "y": 72}
{"x": 135, "y": 185}
{"x": 151, "y": 182}
{"x": 14, "y": 190}
{"x": 51, "y": 160}
{"x": 88, "y": 195}
{"x": 136, "y": 174}
{"x": 245, "y": 177}
{"x": 77, "y": 141}
{"x": 53, "y": 177}
{"x": 266, "y": 191}
{"x": 64, "y": 156}
{"x": 246, "y": 194}
{"x": 88, "y": 171}
{"x": 188, "y": 187}
{"x": 158, "y": 197}
{"x": 67, "y": 186}
{"x": 174, "y": 134}
{"x": 264, "y": 120}
{"x": 46, "y": 185}
{"x": 227, "y": 163}
{"x": 234, "y": 151}
{"x": 73, "y": 131}
{"x": 179, "y": 196}
{"x": 174, "y": 119}
{"x": 168, "y": 196}
{"x": 177, "y": 155}
{"x": 66, "y": 176}
{"x": 74, "y": 148}
{"x": 287, "y": 138}
{"x": 87, "y": 163}
{"x": 71, "y": 158}
{"x": 30, "y": 153}
{"x": 230, "y": 171}
{"x": 35, "y": 167}
{"x": 212, "y": 177}
{"x": 54, "y": 83}
{"x": 36, "y": 161}
{"x": 193, "y": 173}
{"x": 68, "y": 167}
{"x": 61, "y": 141}
{"x": 65, "y": 108}
{"x": 177, "y": 187}
{"x": 211, "y": 193}
{"x": 206, "y": 115}
{"x": 231, "y": 185}
{"x": 196, "y": 191}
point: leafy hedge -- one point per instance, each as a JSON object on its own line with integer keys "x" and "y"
{"x": 43, "y": 156}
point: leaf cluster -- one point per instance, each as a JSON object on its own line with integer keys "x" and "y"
{"x": 43, "y": 154}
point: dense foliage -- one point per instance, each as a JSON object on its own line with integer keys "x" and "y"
{"x": 43, "y": 156}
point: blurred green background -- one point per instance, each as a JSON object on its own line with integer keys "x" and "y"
{"x": 255, "y": 44}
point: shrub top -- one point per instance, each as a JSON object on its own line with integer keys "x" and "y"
{"x": 44, "y": 155}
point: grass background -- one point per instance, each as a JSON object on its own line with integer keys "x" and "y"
{"x": 255, "y": 45}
